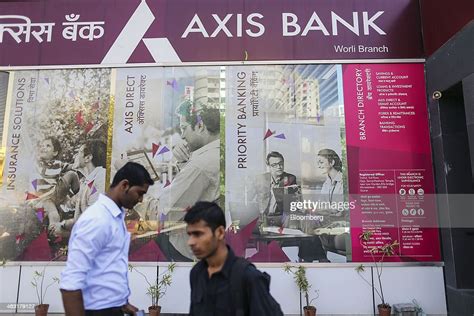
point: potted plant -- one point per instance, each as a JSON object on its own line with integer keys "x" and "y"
{"x": 386, "y": 250}
{"x": 157, "y": 289}
{"x": 299, "y": 275}
{"x": 41, "y": 288}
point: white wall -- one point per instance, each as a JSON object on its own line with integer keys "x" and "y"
{"x": 341, "y": 290}
{"x": 8, "y": 286}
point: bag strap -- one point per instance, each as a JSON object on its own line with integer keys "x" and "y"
{"x": 239, "y": 301}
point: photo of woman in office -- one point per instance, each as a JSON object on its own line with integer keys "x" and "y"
{"x": 331, "y": 165}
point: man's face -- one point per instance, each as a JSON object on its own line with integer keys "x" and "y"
{"x": 202, "y": 241}
{"x": 47, "y": 151}
{"x": 190, "y": 134}
{"x": 276, "y": 166}
{"x": 79, "y": 159}
{"x": 133, "y": 195}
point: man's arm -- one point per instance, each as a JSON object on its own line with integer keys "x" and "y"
{"x": 73, "y": 303}
{"x": 185, "y": 190}
{"x": 191, "y": 277}
{"x": 86, "y": 242}
{"x": 192, "y": 282}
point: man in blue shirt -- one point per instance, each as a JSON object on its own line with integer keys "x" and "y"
{"x": 95, "y": 280}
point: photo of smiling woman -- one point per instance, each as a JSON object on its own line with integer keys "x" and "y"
{"x": 331, "y": 165}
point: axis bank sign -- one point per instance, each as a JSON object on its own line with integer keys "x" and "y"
{"x": 361, "y": 24}
{"x": 231, "y": 26}
{"x": 109, "y": 32}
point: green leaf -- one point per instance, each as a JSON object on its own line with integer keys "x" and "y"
{"x": 287, "y": 268}
{"x": 365, "y": 236}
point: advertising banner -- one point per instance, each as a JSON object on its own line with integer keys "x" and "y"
{"x": 56, "y": 139}
{"x": 305, "y": 160}
{"x": 282, "y": 124}
{"x": 114, "y": 33}
{"x": 168, "y": 120}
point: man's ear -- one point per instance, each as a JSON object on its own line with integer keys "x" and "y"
{"x": 124, "y": 184}
{"x": 220, "y": 232}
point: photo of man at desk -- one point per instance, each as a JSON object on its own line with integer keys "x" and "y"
{"x": 274, "y": 191}
{"x": 271, "y": 187}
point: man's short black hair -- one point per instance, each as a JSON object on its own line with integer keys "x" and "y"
{"x": 210, "y": 116}
{"x": 56, "y": 145}
{"x": 98, "y": 150}
{"x": 135, "y": 173}
{"x": 274, "y": 154}
{"x": 208, "y": 212}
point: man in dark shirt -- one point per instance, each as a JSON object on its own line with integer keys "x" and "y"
{"x": 218, "y": 286}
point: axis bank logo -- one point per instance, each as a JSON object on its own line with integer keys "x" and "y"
{"x": 133, "y": 33}
{"x": 313, "y": 206}
{"x": 253, "y": 25}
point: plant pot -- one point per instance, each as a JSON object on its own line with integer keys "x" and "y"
{"x": 154, "y": 310}
{"x": 41, "y": 309}
{"x": 309, "y": 311}
{"x": 384, "y": 310}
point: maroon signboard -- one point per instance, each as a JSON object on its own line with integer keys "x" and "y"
{"x": 390, "y": 170}
{"x": 124, "y": 32}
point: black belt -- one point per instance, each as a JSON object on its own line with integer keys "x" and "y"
{"x": 112, "y": 311}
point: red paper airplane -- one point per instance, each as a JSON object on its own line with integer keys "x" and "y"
{"x": 268, "y": 134}
{"x": 30, "y": 196}
{"x": 154, "y": 149}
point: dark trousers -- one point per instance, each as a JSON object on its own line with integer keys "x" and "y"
{"x": 112, "y": 311}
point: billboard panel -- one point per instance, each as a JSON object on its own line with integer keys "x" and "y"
{"x": 303, "y": 159}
